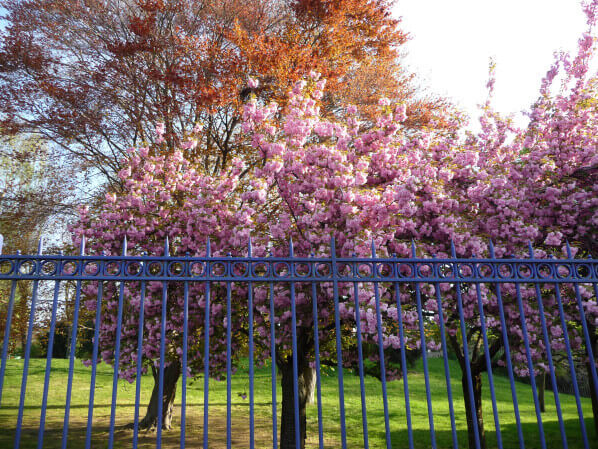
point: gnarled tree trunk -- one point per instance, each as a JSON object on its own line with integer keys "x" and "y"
{"x": 477, "y": 397}
{"x": 171, "y": 377}
{"x": 593, "y": 387}
{"x": 305, "y": 386}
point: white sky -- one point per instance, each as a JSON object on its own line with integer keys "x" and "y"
{"x": 453, "y": 41}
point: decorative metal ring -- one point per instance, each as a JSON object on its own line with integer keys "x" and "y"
{"x": 361, "y": 272}
{"x": 468, "y": 266}
{"x": 302, "y": 269}
{"x": 481, "y": 269}
{"x": 345, "y": 269}
{"x": 219, "y": 269}
{"x": 527, "y": 267}
{"x": 240, "y": 269}
{"x": 567, "y": 267}
{"x": 7, "y": 267}
{"x": 327, "y": 266}
{"x": 70, "y": 268}
{"x": 261, "y": 269}
{"x": 381, "y": 268}
{"x": 96, "y": 265}
{"x": 172, "y": 268}
{"x": 197, "y": 269}
{"x": 49, "y": 267}
{"x": 281, "y": 269}
{"x": 548, "y": 267}
{"x": 154, "y": 268}
{"x": 583, "y": 271}
{"x": 446, "y": 270}
{"x": 137, "y": 268}
{"x": 509, "y": 267}
{"x": 26, "y": 267}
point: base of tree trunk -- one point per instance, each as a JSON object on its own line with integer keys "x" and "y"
{"x": 593, "y": 386}
{"x": 150, "y": 420}
{"x": 305, "y": 386}
{"x": 477, "y": 396}
{"x": 541, "y": 386}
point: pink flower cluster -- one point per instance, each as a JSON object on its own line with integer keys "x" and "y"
{"x": 320, "y": 177}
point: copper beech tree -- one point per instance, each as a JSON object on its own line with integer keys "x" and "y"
{"x": 95, "y": 76}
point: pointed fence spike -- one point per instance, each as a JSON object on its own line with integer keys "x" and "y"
{"x": 491, "y": 248}
{"x": 40, "y": 245}
{"x": 413, "y": 249}
{"x": 208, "y": 249}
{"x": 569, "y": 253}
{"x": 82, "y": 246}
{"x": 332, "y": 246}
{"x": 453, "y": 251}
{"x": 1, "y": 243}
{"x": 249, "y": 247}
{"x": 124, "y": 249}
{"x": 373, "y": 245}
{"x": 166, "y": 246}
{"x": 530, "y": 249}
{"x": 291, "y": 248}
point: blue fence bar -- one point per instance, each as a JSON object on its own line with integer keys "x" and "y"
{"x": 139, "y": 360}
{"x": 121, "y": 294}
{"x": 582, "y": 423}
{"x": 339, "y": 349}
{"x": 206, "y": 356}
{"x": 488, "y": 358}
{"x": 184, "y": 368}
{"x": 422, "y": 336}
{"x": 505, "y": 338}
{"x": 25, "y": 373}
{"x": 364, "y": 413}
{"x": 314, "y": 298}
{"x": 225, "y": 310}
{"x": 551, "y": 369}
{"x": 404, "y": 365}
{"x": 42, "y": 420}
{"x": 73, "y": 347}
{"x": 251, "y": 373}
{"x": 94, "y": 367}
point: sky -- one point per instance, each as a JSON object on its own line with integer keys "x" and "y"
{"x": 453, "y": 41}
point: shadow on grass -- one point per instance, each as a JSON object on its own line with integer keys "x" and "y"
{"x": 509, "y": 436}
{"x": 263, "y": 434}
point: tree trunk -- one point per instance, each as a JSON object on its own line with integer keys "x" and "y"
{"x": 593, "y": 386}
{"x": 171, "y": 377}
{"x": 287, "y": 422}
{"x": 477, "y": 395}
{"x": 310, "y": 381}
{"x": 541, "y": 385}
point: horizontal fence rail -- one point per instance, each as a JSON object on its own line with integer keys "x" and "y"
{"x": 395, "y": 352}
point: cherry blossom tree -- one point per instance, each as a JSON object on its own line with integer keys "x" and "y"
{"x": 319, "y": 178}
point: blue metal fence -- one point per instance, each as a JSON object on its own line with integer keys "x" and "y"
{"x": 482, "y": 292}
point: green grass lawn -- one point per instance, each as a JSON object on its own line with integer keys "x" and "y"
{"x": 263, "y": 411}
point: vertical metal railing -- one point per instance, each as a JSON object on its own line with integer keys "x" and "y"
{"x": 500, "y": 302}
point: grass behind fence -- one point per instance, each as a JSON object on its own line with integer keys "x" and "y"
{"x": 263, "y": 411}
